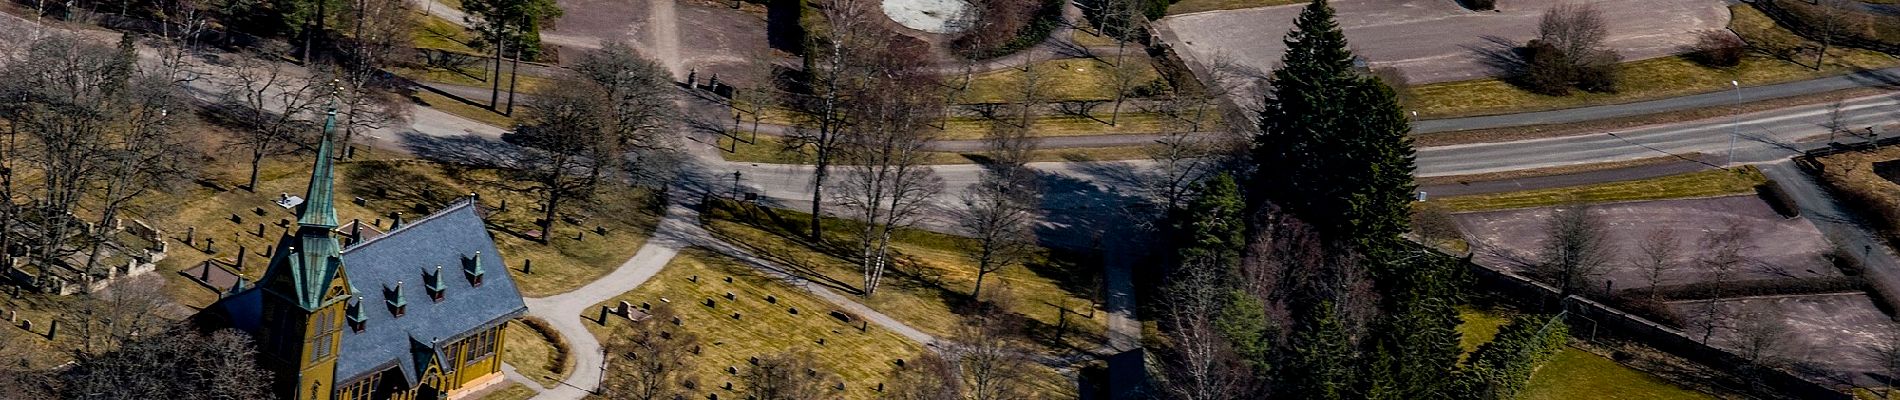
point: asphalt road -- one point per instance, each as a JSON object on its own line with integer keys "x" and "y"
{"x": 1889, "y": 77}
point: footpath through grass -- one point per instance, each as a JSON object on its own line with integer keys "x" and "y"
{"x": 1655, "y": 78}
{"x": 930, "y": 282}
{"x": 765, "y": 326}
{"x": 1695, "y": 184}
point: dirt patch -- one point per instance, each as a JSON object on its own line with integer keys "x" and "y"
{"x": 1777, "y": 247}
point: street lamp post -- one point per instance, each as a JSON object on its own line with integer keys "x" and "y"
{"x": 1735, "y": 127}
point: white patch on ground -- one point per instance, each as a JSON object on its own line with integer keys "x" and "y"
{"x": 934, "y": 16}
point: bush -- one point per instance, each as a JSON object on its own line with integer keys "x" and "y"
{"x": 1006, "y": 26}
{"x": 1717, "y": 48}
{"x": 1433, "y": 223}
{"x": 1479, "y": 5}
{"x": 1544, "y": 70}
{"x": 541, "y": 327}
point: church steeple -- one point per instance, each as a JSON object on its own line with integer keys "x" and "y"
{"x": 306, "y": 290}
{"x": 319, "y": 206}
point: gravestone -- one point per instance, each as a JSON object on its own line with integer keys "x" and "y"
{"x": 840, "y": 385}
{"x": 841, "y": 316}
{"x": 793, "y": 310}
{"x": 728, "y": 385}
{"x": 728, "y": 279}
{"x": 625, "y": 308}
{"x": 754, "y": 360}
{"x": 710, "y": 304}
{"x": 676, "y": 321}
{"x": 821, "y": 341}
{"x": 735, "y": 316}
{"x": 645, "y": 306}
{"x": 693, "y": 279}
{"x": 729, "y": 296}
{"x": 190, "y": 231}
{"x": 527, "y": 266}
{"x": 771, "y": 299}
{"x": 732, "y": 370}
{"x": 900, "y": 363}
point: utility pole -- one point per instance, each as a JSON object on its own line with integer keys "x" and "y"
{"x": 1735, "y": 127}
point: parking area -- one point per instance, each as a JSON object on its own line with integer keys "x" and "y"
{"x": 1775, "y": 247}
{"x": 1834, "y": 337}
{"x": 1435, "y": 40}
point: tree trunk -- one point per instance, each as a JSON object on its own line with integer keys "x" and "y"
{"x": 257, "y": 159}
{"x": 548, "y": 215}
{"x": 494, "y": 93}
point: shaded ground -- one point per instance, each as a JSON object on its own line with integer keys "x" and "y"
{"x": 1777, "y": 247}
{"x": 711, "y": 39}
{"x": 1832, "y": 336}
{"x": 1434, "y": 40}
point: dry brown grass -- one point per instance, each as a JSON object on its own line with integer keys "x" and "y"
{"x": 1551, "y": 171}
{"x": 1856, "y": 179}
{"x": 1508, "y": 134}
{"x": 537, "y": 351}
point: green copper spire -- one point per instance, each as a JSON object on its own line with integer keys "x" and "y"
{"x": 319, "y": 208}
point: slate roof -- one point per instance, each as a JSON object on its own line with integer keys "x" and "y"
{"x": 450, "y": 238}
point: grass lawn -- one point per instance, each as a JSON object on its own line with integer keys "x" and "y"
{"x": 533, "y": 355}
{"x": 1858, "y": 178}
{"x": 474, "y": 76}
{"x": 931, "y": 279}
{"x": 1649, "y": 79}
{"x": 771, "y": 150}
{"x": 1479, "y": 327}
{"x": 1194, "y": 6}
{"x": 1573, "y": 374}
{"x": 1064, "y": 79}
{"x": 462, "y": 109}
{"x": 861, "y": 358}
{"x": 399, "y": 185}
{"x": 514, "y": 391}
{"x": 1695, "y": 184}
{"x": 1579, "y": 375}
{"x": 1086, "y": 36}
{"x": 434, "y": 32}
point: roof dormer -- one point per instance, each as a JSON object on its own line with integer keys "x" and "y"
{"x": 435, "y": 284}
{"x": 473, "y": 269}
{"x": 397, "y": 305}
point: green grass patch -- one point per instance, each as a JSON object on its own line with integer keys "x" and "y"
{"x": 1479, "y": 326}
{"x": 1695, "y": 184}
{"x": 863, "y": 359}
{"x": 1579, "y": 375}
{"x": 1194, "y": 6}
{"x": 931, "y": 279}
{"x": 461, "y": 108}
{"x": 432, "y": 32}
{"x": 772, "y": 150}
{"x": 474, "y": 76}
{"x": 1650, "y": 79}
{"x": 1063, "y": 79}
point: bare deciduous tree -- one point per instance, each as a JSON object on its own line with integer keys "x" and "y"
{"x": 269, "y": 100}
{"x": 64, "y": 94}
{"x": 1202, "y": 364}
{"x": 1658, "y": 259}
{"x": 1576, "y": 250}
{"x": 121, "y": 313}
{"x": 220, "y": 365}
{"x": 888, "y": 184}
{"x": 1834, "y": 18}
{"x": 928, "y": 377}
{"x": 144, "y": 153}
{"x": 1181, "y": 156}
{"x": 650, "y": 359}
{"x": 1761, "y": 341}
{"x": 836, "y": 69}
{"x": 1576, "y": 29}
{"x": 998, "y": 214}
{"x": 993, "y": 364}
{"x": 786, "y": 376}
{"x": 1721, "y": 260}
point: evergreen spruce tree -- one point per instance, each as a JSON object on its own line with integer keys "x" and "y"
{"x": 1321, "y": 363}
{"x": 1243, "y": 322}
{"x": 1418, "y": 341}
{"x": 1213, "y": 226}
{"x": 1333, "y": 148}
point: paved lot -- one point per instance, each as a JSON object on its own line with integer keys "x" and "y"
{"x": 695, "y": 34}
{"x": 1835, "y": 336}
{"x": 1777, "y": 247}
{"x": 1435, "y": 40}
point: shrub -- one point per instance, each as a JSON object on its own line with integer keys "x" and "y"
{"x": 1479, "y": 5}
{"x": 1006, "y": 26}
{"x": 1433, "y": 223}
{"x": 547, "y": 332}
{"x": 1598, "y": 75}
{"x": 1717, "y": 48}
{"x": 1544, "y": 71}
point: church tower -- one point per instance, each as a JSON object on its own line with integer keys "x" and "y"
{"x": 304, "y": 292}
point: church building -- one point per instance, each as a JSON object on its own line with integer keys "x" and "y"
{"x": 415, "y": 313}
